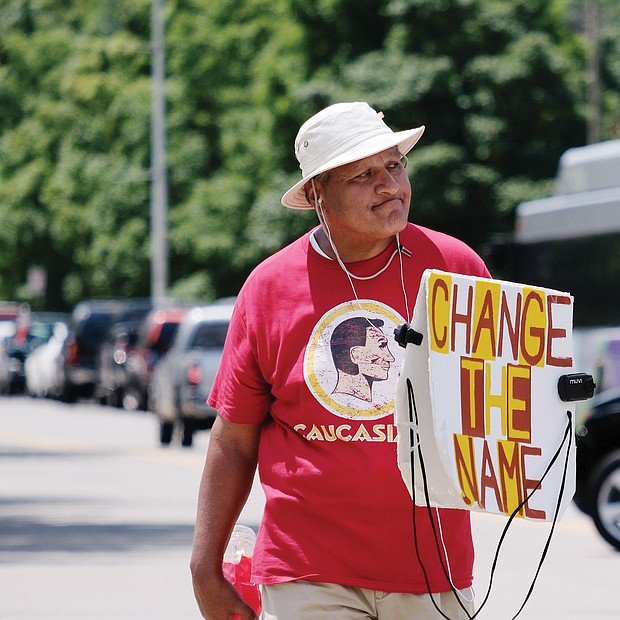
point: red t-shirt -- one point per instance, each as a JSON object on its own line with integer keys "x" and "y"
{"x": 319, "y": 367}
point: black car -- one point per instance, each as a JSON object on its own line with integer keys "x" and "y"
{"x": 118, "y": 344}
{"x": 598, "y": 465}
{"x": 89, "y": 327}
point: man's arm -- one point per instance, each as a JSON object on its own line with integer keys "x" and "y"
{"x": 224, "y": 488}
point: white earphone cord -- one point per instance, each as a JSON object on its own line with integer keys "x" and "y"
{"x": 350, "y": 276}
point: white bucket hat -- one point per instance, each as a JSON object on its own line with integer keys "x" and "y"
{"x": 340, "y": 134}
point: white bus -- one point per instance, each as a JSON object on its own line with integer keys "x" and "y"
{"x": 571, "y": 242}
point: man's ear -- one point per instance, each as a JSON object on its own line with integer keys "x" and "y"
{"x": 310, "y": 189}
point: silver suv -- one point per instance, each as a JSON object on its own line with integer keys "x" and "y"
{"x": 182, "y": 380}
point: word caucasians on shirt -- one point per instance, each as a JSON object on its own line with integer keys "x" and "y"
{"x": 500, "y": 334}
{"x": 347, "y": 432}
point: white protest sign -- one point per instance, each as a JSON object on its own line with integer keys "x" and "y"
{"x": 480, "y": 395}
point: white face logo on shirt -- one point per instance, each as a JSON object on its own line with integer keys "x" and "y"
{"x": 352, "y": 360}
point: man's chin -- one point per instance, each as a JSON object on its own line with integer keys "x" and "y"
{"x": 398, "y": 220}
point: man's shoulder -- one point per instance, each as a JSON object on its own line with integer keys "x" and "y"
{"x": 421, "y": 234}
{"x": 443, "y": 251}
{"x": 283, "y": 258}
{"x": 278, "y": 269}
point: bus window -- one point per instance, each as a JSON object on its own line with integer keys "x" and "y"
{"x": 587, "y": 268}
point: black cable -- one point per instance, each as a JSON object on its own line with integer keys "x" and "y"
{"x": 412, "y": 437}
{"x": 518, "y": 508}
{"x": 568, "y": 434}
{"x": 413, "y": 410}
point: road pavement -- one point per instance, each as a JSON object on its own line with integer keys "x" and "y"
{"x": 96, "y": 522}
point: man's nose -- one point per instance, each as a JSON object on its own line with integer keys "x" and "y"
{"x": 387, "y": 182}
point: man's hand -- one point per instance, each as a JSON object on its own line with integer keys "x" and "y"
{"x": 225, "y": 485}
{"x": 219, "y": 600}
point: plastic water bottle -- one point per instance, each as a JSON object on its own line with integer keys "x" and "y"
{"x": 237, "y": 566}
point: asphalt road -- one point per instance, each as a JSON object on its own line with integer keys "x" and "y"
{"x": 96, "y": 522}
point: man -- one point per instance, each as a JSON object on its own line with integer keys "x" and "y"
{"x": 336, "y": 539}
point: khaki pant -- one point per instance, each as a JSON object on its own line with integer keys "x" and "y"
{"x": 306, "y": 600}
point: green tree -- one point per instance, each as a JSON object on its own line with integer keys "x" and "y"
{"x": 74, "y": 148}
{"x": 233, "y": 67}
{"x": 498, "y": 84}
{"x": 601, "y": 41}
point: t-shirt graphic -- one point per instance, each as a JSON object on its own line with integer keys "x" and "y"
{"x": 352, "y": 360}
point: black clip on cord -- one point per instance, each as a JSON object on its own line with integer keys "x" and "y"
{"x": 404, "y": 334}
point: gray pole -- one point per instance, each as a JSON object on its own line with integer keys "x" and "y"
{"x": 593, "y": 77}
{"x": 159, "y": 179}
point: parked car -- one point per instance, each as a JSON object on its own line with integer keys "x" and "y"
{"x": 116, "y": 347}
{"x": 154, "y": 340}
{"x": 598, "y": 465}
{"x": 90, "y": 322}
{"x": 33, "y": 330}
{"x": 43, "y": 366}
{"x": 10, "y": 314}
{"x": 5, "y": 372}
{"x": 183, "y": 379}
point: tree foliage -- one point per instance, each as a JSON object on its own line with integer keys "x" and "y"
{"x": 499, "y": 86}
